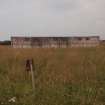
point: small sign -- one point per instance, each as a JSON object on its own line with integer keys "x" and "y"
{"x": 28, "y": 65}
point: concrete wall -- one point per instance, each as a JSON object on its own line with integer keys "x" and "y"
{"x": 54, "y": 42}
{"x": 21, "y": 42}
{"x": 85, "y": 41}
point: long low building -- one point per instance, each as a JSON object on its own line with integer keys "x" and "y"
{"x": 54, "y": 42}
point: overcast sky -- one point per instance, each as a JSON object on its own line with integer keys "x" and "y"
{"x": 52, "y": 18}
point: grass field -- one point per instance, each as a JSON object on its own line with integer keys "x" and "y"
{"x": 74, "y": 76}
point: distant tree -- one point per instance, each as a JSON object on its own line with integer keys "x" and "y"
{"x": 7, "y": 42}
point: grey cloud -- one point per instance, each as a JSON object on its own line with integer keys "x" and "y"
{"x": 63, "y": 5}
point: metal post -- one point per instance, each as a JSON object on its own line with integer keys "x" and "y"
{"x": 32, "y": 74}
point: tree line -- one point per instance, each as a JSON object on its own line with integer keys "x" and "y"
{"x": 7, "y": 42}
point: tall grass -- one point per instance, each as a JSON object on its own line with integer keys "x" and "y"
{"x": 74, "y": 76}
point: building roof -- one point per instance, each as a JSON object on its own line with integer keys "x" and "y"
{"x": 55, "y": 37}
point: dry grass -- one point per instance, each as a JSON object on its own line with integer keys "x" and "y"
{"x": 62, "y": 76}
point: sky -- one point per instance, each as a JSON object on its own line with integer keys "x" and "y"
{"x": 52, "y": 18}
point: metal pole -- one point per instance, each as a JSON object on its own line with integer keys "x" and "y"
{"x": 32, "y": 74}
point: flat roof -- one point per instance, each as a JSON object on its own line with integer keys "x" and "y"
{"x": 54, "y": 36}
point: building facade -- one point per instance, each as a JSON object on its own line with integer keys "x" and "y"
{"x": 54, "y": 42}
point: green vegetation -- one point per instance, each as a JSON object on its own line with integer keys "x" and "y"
{"x": 73, "y": 76}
